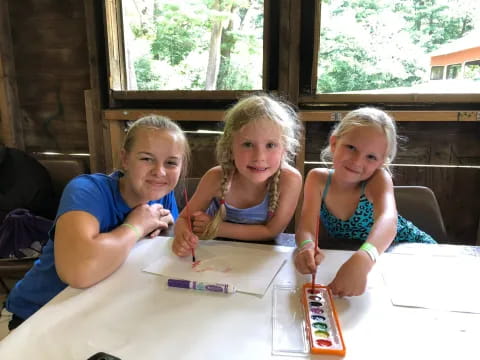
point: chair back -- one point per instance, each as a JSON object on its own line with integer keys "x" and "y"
{"x": 419, "y": 205}
{"x": 61, "y": 172}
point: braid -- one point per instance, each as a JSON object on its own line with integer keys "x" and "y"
{"x": 274, "y": 193}
{"x": 212, "y": 228}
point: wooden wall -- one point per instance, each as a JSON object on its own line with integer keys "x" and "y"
{"x": 52, "y": 72}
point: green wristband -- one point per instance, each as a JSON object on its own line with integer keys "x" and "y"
{"x": 134, "y": 228}
{"x": 304, "y": 242}
{"x": 371, "y": 250}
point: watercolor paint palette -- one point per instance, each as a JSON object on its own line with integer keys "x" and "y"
{"x": 321, "y": 320}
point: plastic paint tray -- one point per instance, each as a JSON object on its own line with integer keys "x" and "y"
{"x": 305, "y": 323}
{"x": 322, "y": 325}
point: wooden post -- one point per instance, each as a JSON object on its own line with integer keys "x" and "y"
{"x": 11, "y": 119}
{"x": 97, "y": 129}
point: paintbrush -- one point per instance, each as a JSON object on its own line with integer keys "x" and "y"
{"x": 315, "y": 254}
{"x": 189, "y": 219}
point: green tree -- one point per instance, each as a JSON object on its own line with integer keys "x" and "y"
{"x": 176, "y": 33}
{"x": 182, "y": 34}
{"x": 374, "y": 44}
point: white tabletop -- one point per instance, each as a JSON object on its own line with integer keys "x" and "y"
{"x": 133, "y": 315}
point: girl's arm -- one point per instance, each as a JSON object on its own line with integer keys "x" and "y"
{"x": 305, "y": 260}
{"x": 84, "y": 256}
{"x": 290, "y": 186}
{"x": 208, "y": 187}
{"x": 351, "y": 278}
{"x": 380, "y": 192}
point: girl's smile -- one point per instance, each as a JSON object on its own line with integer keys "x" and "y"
{"x": 359, "y": 152}
{"x": 153, "y": 166}
{"x": 258, "y": 150}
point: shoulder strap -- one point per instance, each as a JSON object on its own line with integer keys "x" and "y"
{"x": 364, "y": 184}
{"x": 327, "y": 184}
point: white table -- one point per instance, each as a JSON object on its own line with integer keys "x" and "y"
{"x": 133, "y": 315}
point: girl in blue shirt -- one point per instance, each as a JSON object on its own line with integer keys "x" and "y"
{"x": 101, "y": 217}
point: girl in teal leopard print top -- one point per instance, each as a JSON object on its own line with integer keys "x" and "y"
{"x": 355, "y": 199}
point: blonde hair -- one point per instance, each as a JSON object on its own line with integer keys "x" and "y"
{"x": 367, "y": 116}
{"x": 250, "y": 109}
{"x": 158, "y": 122}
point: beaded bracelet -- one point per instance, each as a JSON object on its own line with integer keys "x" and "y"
{"x": 134, "y": 228}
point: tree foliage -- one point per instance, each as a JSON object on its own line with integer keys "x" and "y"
{"x": 218, "y": 44}
{"x": 375, "y": 44}
{"x": 178, "y": 35}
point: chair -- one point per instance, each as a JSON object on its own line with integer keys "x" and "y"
{"x": 61, "y": 172}
{"x": 419, "y": 205}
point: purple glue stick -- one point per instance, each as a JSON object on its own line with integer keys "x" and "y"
{"x": 198, "y": 285}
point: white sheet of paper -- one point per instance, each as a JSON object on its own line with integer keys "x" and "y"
{"x": 249, "y": 270}
{"x": 413, "y": 280}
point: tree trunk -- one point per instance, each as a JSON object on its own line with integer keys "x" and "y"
{"x": 226, "y": 46}
{"x": 214, "y": 52}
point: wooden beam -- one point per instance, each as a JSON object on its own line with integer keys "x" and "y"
{"x": 117, "y": 135}
{"x": 176, "y": 115}
{"x": 10, "y": 114}
{"x": 305, "y": 115}
{"x": 98, "y": 134}
{"x": 399, "y": 116}
{"x": 228, "y": 95}
{"x": 95, "y": 137}
{"x": 114, "y": 34}
{"x": 294, "y": 51}
{"x": 361, "y": 98}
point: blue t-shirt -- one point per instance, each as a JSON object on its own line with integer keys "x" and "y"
{"x": 97, "y": 194}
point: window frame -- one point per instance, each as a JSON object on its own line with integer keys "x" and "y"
{"x": 309, "y": 99}
{"x": 289, "y": 67}
{"x": 119, "y": 96}
{"x": 437, "y": 67}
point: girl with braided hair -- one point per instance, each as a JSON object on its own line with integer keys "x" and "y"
{"x": 253, "y": 192}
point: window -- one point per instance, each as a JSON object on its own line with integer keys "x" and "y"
{"x": 454, "y": 71}
{"x": 393, "y": 47}
{"x": 328, "y": 51}
{"x": 437, "y": 73}
{"x": 193, "y": 44}
{"x": 472, "y": 70}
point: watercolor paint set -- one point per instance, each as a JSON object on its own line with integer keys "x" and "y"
{"x": 305, "y": 322}
{"x": 322, "y": 326}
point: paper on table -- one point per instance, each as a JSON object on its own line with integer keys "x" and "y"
{"x": 249, "y": 270}
{"x": 433, "y": 282}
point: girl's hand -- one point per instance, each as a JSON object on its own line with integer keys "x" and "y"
{"x": 351, "y": 278}
{"x": 166, "y": 219}
{"x": 200, "y": 220}
{"x": 184, "y": 240}
{"x": 148, "y": 218}
{"x": 305, "y": 259}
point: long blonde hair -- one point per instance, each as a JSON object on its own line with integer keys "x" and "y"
{"x": 247, "y": 110}
{"x": 367, "y": 116}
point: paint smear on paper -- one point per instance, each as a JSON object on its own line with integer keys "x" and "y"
{"x": 216, "y": 264}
